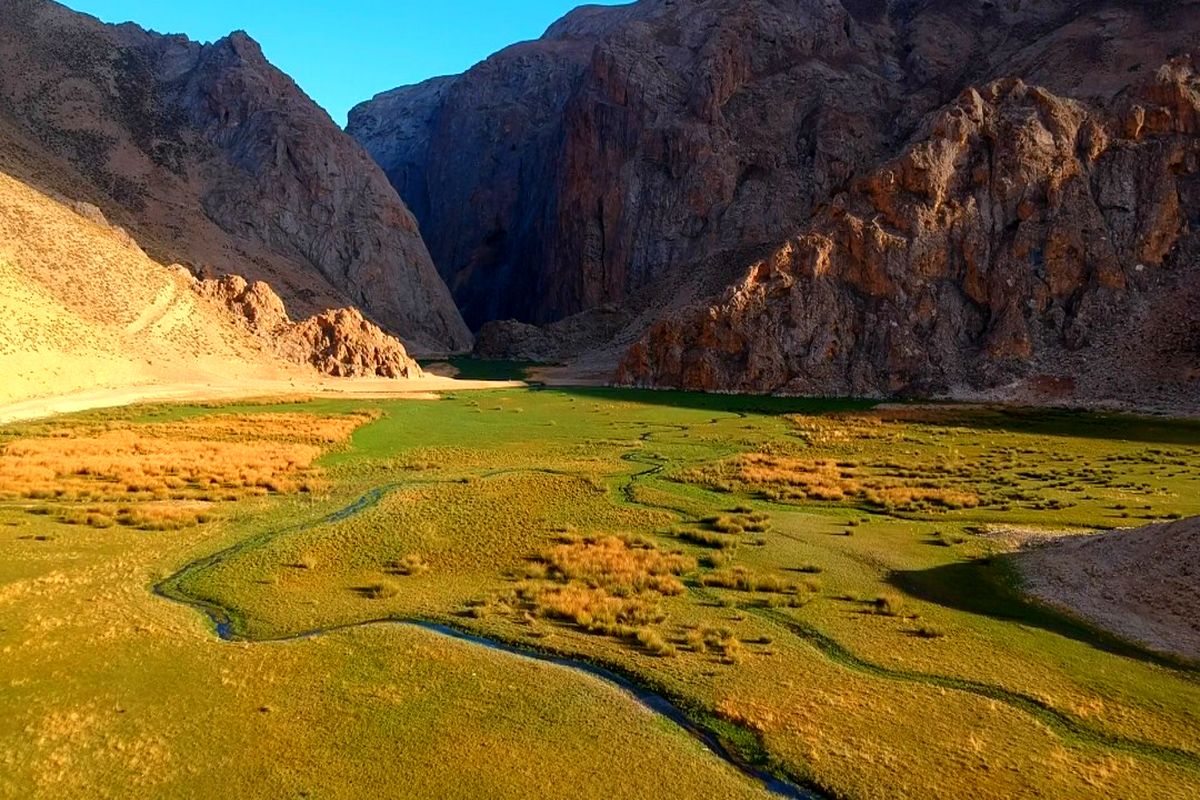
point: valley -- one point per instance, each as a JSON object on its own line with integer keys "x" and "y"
{"x": 802, "y": 578}
{"x": 672, "y": 398}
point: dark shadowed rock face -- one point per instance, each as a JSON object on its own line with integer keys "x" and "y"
{"x": 211, "y": 156}
{"x": 634, "y": 146}
{"x": 475, "y": 155}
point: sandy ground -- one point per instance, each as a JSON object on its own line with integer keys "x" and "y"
{"x": 1142, "y": 584}
{"x": 413, "y": 389}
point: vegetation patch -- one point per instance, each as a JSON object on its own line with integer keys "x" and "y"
{"x": 784, "y": 478}
{"x": 606, "y": 585}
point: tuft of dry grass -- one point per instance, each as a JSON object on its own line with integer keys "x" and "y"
{"x": 612, "y": 563}
{"x": 380, "y": 590}
{"x": 742, "y": 579}
{"x": 716, "y": 541}
{"x": 928, "y": 632}
{"x": 595, "y": 610}
{"x": 888, "y": 604}
{"x": 605, "y": 585}
{"x": 411, "y": 564}
{"x": 143, "y": 516}
{"x": 654, "y": 643}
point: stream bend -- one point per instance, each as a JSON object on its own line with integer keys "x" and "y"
{"x": 223, "y": 625}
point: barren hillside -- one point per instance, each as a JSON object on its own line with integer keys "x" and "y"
{"x": 1143, "y": 584}
{"x": 82, "y": 307}
{"x": 213, "y": 158}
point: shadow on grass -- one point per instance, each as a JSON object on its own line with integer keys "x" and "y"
{"x": 729, "y": 403}
{"x": 480, "y": 369}
{"x": 1058, "y": 422}
{"x": 989, "y": 587}
{"x": 1033, "y": 421}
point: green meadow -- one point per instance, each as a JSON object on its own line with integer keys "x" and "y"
{"x": 823, "y": 586}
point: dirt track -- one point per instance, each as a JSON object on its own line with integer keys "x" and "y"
{"x": 413, "y": 389}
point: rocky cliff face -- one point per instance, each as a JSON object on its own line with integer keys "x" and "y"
{"x": 630, "y": 144}
{"x": 1022, "y": 240}
{"x": 635, "y": 151}
{"x": 209, "y": 155}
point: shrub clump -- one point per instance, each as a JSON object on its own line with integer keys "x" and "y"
{"x": 380, "y": 590}
{"x": 928, "y": 632}
{"x": 411, "y": 564}
{"x": 716, "y": 541}
{"x": 611, "y": 586}
{"x": 888, "y": 604}
{"x": 742, "y": 579}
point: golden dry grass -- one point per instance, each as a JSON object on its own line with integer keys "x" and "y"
{"x": 149, "y": 516}
{"x": 605, "y": 585}
{"x": 163, "y": 476}
{"x": 614, "y": 564}
{"x": 826, "y": 480}
{"x": 125, "y": 462}
{"x": 743, "y": 579}
{"x": 222, "y": 457}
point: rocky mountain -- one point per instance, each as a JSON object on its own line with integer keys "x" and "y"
{"x": 928, "y": 151}
{"x": 211, "y": 157}
{"x": 83, "y": 308}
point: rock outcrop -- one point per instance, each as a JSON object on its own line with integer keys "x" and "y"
{"x": 1138, "y": 583}
{"x": 210, "y": 156}
{"x": 1021, "y": 237}
{"x": 84, "y": 310}
{"x": 340, "y": 342}
{"x": 558, "y": 341}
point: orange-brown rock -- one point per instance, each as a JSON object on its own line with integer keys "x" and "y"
{"x": 344, "y": 344}
{"x": 652, "y": 142}
{"x": 340, "y": 342}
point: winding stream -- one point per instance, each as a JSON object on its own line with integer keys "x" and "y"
{"x": 224, "y": 626}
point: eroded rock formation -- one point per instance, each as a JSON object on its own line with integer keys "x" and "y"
{"x": 636, "y": 152}
{"x": 1022, "y": 236}
{"x": 631, "y": 144}
{"x": 339, "y": 342}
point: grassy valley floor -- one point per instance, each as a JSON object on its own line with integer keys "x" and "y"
{"x": 824, "y": 584}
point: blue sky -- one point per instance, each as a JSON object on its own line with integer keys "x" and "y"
{"x": 344, "y": 52}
